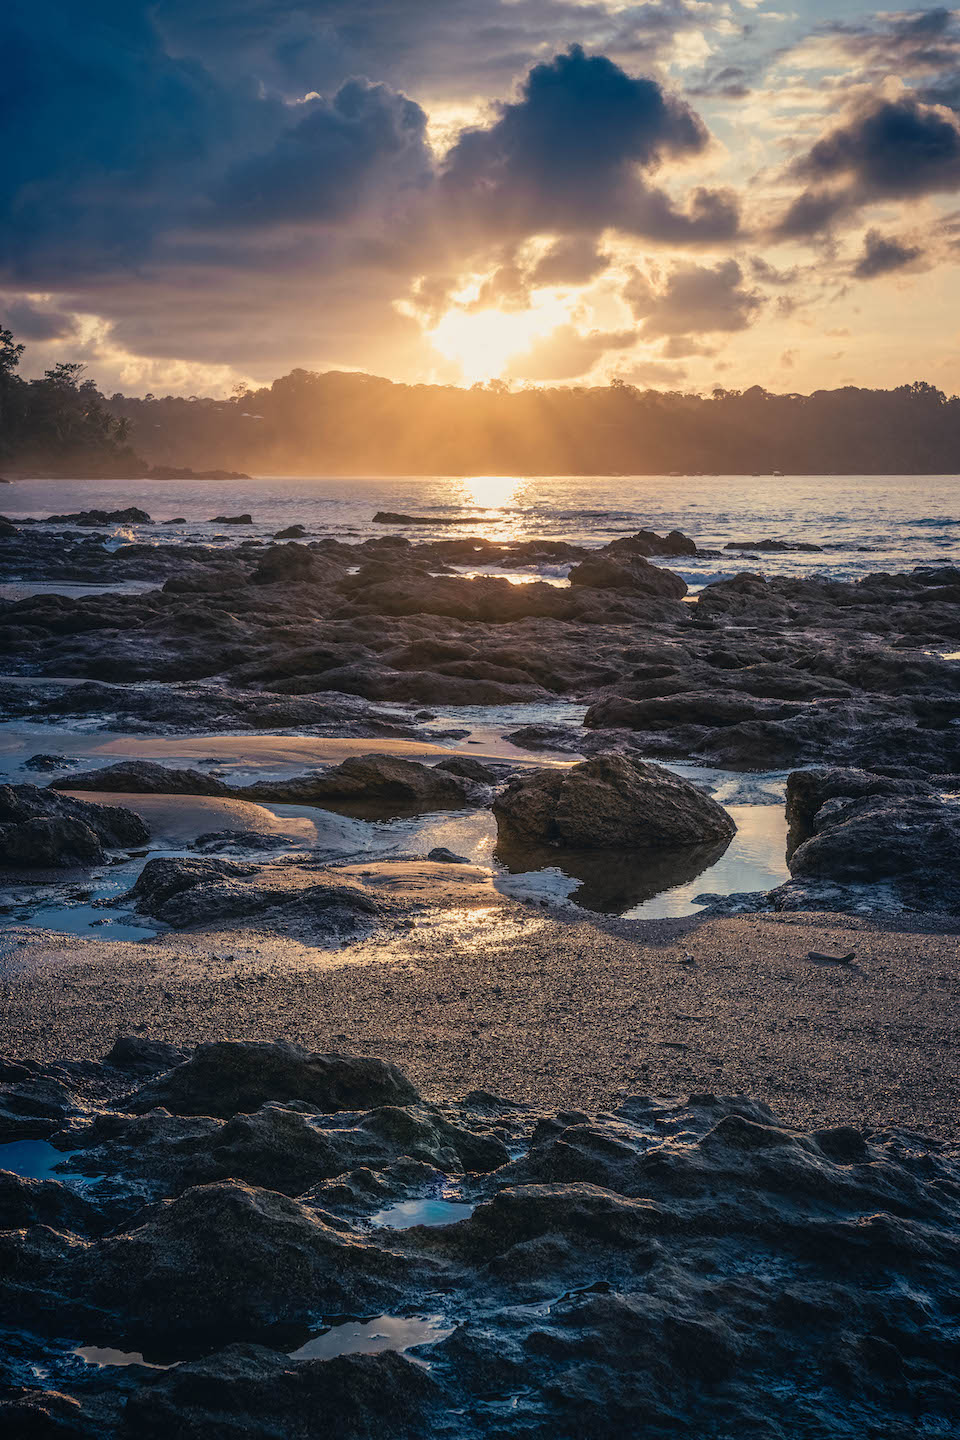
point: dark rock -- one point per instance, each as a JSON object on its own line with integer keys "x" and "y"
{"x": 293, "y": 563}
{"x": 808, "y": 790}
{"x": 468, "y": 769}
{"x": 444, "y": 856}
{"x": 142, "y": 1056}
{"x": 647, "y": 542}
{"x": 25, "y": 1202}
{"x": 40, "y": 829}
{"x": 191, "y": 891}
{"x": 247, "y": 1390}
{"x": 45, "y": 1415}
{"x": 709, "y": 708}
{"x": 45, "y": 763}
{"x": 143, "y": 777}
{"x": 231, "y": 520}
{"x": 228, "y": 1258}
{"x": 132, "y": 515}
{"x": 377, "y": 781}
{"x": 736, "y": 1256}
{"x": 292, "y": 532}
{"x": 632, "y": 573}
{"x": 391, "y": 517}
{"x": 229, "y": 1076}
{"x": 911, "y": 842}
{"x": 32, "y": 1105}
{"x": 611, "y": 802}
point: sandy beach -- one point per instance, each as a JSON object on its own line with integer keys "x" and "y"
{"x": 572, "y": 1013}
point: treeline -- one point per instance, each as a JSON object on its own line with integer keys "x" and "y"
{"x": 350, "y": 424}
{"x": 60, "y": 423}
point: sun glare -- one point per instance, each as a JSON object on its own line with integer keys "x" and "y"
{"x": 482, "y": 342}
{"x": 491, "y": 492}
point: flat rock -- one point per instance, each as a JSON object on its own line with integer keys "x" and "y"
{"x": 144, "y": 777}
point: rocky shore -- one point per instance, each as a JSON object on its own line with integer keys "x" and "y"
{"x": 235, "y": 1239}
{"x": 237, "y": 808}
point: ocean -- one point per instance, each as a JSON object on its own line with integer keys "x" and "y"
{"x": 864, "y": 523}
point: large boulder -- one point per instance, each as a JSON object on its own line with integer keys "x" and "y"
{"x": 909, "y": 842}
{"x": 630, "y": 573}
{"x": 40, "y": 829}
{"x": 230, "y": 1077}
{"x": 611, "y": 802}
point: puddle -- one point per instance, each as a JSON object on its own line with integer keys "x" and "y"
{"x": 102, "y": 1357}
{"x": 70, "y": 906}
{"x": 370, "y": 1337}
{"x": 32, "y": 1160}
{"x": 755, "y": 860}
{"x": 407, "y": 1213}
{"x": 87, "y": 919}
{"x": 23, "y": 589}
{"x": 654, "y": 885}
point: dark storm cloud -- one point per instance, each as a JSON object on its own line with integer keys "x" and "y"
{"x": 889, "y": 149}
{"x": 366, "y": 138}
{"x": 34, "y": 322}
{"x": 695, "y": 300}
{"x": 811, "y": 213}
{"x": 120, "y": 155}
{"x": 883, "y": 253}
{"x": 570, "y": 153}
{"x": 886, "y": 149}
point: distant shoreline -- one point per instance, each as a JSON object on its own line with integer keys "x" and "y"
{"x": 163, "y": 472}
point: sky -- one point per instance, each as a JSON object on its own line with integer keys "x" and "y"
{"x": 197, "y": 194}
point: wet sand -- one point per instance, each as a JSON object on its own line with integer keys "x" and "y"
{"x": 483, "y": 992}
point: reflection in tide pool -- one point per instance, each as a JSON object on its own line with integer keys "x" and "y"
{"x": 656, "y": 884}
{"x": 102, "y": 1356}
{"x": 370, "y": 1337}
{"x": 31, "y": 1159}
{"x": 754, "y": 860}
{"x": 408, "y": 1213}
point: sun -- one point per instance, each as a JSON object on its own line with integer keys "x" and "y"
{"x": 482, "y": 342}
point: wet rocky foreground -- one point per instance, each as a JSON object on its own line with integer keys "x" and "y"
{"x": 250, "y": 1238}
{"x": 226, "y": 1242}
